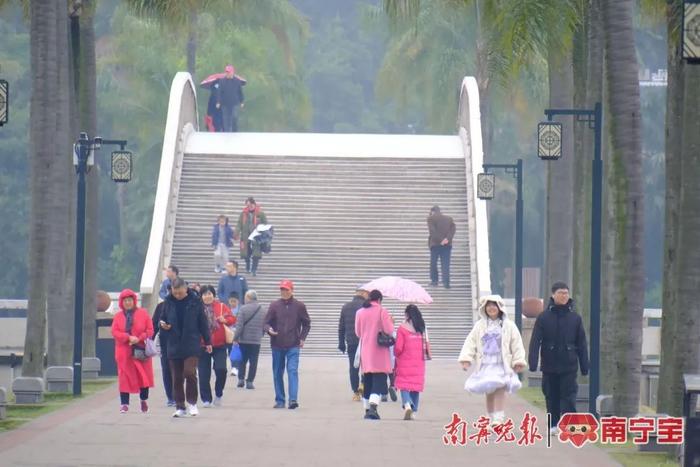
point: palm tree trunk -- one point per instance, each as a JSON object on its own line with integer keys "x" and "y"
{"x": 559, "y": 196}
{"x": 87, "y": 104}
{"x": 626, "y": 195}
{"x": 42, "y": 121}
{"x": 60, "y": 313}
{"x": 674, "y": 180}
{"x": 192, "y": 41}
{"x": 582, "y": 175}
{"x": 687, "y": 336}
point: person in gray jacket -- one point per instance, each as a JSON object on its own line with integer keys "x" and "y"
{"x": 249, "y": 332}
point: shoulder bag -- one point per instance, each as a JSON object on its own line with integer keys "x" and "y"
{"x": 384, "y": 339}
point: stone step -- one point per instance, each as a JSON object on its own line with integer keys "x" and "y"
{"x": 369, "y": 213}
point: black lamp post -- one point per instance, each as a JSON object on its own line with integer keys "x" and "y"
{"x": 486, "y": 188}
{"x": 690, "y": 41}
{"x": 4, "y": 101}
{"x": 550, "y": 144}
{"x": 84, "y": 159}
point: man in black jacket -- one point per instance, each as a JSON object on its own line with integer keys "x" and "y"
{"x": 559, "y": 332}
{"x": 184, "y": 323}
{"x": 158, "y": 315}
{"x": 346, "y": 335}
{"x": 229, "y": 98}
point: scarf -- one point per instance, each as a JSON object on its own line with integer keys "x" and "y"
{"x": 211, "y": 318}
{"x": 129, "y": 320}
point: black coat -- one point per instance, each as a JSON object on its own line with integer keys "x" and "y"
{"x": 157, "y": 316}
{"x": 559, "y": 331}
{"x": 229, "y": 92}
{"x": 346, "y": 325}
{"x": 184, "y": 336}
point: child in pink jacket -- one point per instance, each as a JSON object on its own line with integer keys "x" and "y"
{"x": 410, "y": 351}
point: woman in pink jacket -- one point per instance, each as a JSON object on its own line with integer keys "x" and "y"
{"x": 375, "y": 361}
{"x": 410, "y": 352}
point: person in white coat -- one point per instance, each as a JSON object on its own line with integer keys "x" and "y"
{"x": 495, "y": 348}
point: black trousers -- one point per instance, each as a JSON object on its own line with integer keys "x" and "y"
{"x": 124, "y": 396}
{"x": 217, "y": 360}
{"x": 560, "y": 390}
{"x": 354, "y": 372}
{"x": 374, "y": 383}
{"x": 167, "y": 377}
{"x": 248, "y": 257}
{"x": 250, "y": 353}
{"x": 442, "y": 252}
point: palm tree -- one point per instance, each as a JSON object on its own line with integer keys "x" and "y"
{"x": 61, "y": 211}
{"x": 686, "y": 357}
{"x": 667, "y": 400}
{"x": 44, "y": 76}
{"x": 85, "y": 77}
{"x": 626, "y": 196}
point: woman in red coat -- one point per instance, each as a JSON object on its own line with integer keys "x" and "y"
{"x": 218, "y": 316}
{"x": 130, "y": 328}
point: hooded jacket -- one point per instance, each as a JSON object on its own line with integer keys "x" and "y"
{"x": 512, "y": 348}
{"x": 133, "y": 374}
{"x": 189, "y": 324}
{"x": 559, "y": 333}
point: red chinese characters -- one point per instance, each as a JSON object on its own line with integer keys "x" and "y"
{"x": 456, "y": 432}
{"x": 613, "y": 430}
{"x": 529, "y": 430}
{"x": 482, "y": 431}
{"x": 643, "y": 426}
{"x": 669, "y": 430}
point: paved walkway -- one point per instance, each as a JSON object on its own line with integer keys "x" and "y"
{"x": 327, "y": 430}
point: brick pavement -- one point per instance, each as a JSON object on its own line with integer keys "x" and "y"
{"x": 327, "y": 430}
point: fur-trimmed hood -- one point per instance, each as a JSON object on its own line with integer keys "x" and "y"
{"x": 498, "y": 300}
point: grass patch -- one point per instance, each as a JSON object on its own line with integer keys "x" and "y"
{"x": 18, "y": 414}
{"x": 533, "y": 396}
{"x": 644, "y": 459}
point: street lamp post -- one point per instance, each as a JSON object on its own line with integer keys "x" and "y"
{"x": 487, "y": 192}
{"x": 594, "y": 118}
{"x": 83, "y": 159}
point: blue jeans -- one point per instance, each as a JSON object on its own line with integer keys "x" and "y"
{"x": 411, "y": 397}
{"x": 290, "y": 358}
{"x": 443, "y": 252}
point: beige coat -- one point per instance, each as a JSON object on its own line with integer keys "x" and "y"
{"x": 512, "y": 349}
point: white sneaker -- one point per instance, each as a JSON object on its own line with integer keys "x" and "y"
{"x": 217, "y": 401}
{"x": 407, "y": 412}
{"x": 206, "y": 405}
{"x": 179, "y": 413}
{"x": 193, "y": 411}
{"x": 234, "y": 371}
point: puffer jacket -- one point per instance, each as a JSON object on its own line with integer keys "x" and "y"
{"x": 512, "y": 348}
{"x": 560, "y": 334}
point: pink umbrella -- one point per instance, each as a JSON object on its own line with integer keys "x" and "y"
{"x": 399, "y": 288}
{"x": 209, "y": 80}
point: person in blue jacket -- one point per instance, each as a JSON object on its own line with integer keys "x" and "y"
{"x": 221, "y": 240}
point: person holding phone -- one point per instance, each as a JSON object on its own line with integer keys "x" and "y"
{"x": 185, "y": 324}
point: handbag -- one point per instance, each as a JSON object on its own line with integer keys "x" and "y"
{"x": 427, "y": 354}
{"x": 384, "y": 339}
{"x": 235, "y": 355}
{"x": 138, "y": 353}
{"x": 151, "y": 349}
{"x": 356, "y": 363}
{"x": 229, "y": 334}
